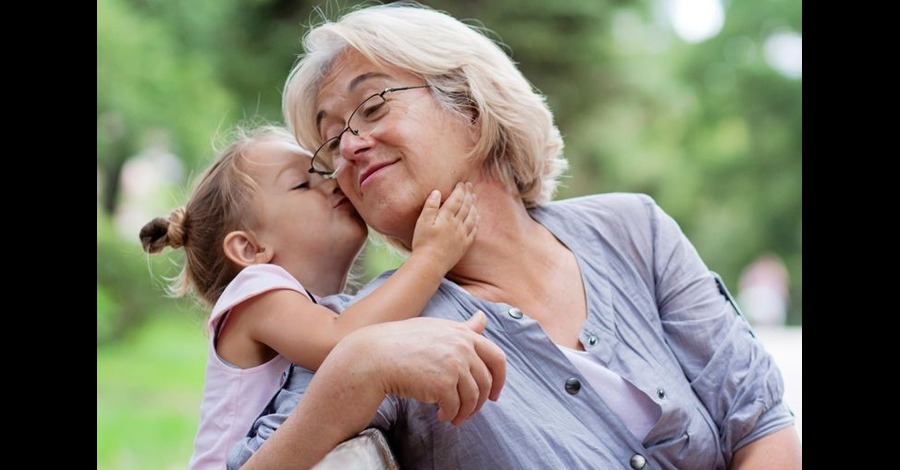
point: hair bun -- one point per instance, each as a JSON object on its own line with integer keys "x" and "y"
{"x": 160, "y": 233}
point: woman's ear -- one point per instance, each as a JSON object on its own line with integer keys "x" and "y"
{"x": 474, "y": 122}
{"x": 244, "y": 249}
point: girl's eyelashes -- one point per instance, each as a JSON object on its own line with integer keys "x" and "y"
{"x": 303, "y": 185}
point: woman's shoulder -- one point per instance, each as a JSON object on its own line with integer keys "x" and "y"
{"x": 615, "y": 208}
{"x": 622, "y": 219}
{"x": 613, "y": 202}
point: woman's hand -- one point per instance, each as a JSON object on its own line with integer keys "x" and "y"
{"x": 435, "y": 361}
{"x": 429, "y": 359}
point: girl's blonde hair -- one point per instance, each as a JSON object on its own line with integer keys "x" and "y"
{"x": 219, "y": 204}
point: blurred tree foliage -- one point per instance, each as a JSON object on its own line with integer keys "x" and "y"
{"x": 709, "y": 129}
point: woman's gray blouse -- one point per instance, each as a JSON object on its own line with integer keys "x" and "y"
{"x": 656, "y": 316}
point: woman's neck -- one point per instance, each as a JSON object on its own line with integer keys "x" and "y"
{"x": 510, "y": 251}
{"x": 517, "y": 261}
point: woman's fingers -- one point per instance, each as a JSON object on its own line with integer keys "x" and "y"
{"x": 486, "y": 373}
{"x": 467, "y": 390}
{"x": 440, "y": 361}
{"x": 493, "y": 359}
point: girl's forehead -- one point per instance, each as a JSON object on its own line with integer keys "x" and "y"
{"x": 266, "y": 160}
{"x": 275, "y": 152}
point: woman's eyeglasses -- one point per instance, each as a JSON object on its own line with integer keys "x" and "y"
{"x": 326, "y": 160}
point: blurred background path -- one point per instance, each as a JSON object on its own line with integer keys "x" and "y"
{"x": 786, "y": 344}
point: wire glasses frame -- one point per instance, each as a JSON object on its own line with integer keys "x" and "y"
{"x": 370, "y": 111}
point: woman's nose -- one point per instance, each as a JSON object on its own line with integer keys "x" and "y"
{"x": 352, "y": 148}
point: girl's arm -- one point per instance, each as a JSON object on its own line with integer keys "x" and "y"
{"x": 442, "y": 236}
{"x": 289, "y": 323}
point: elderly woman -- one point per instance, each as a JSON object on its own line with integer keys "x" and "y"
{"x": 613, "y": 344}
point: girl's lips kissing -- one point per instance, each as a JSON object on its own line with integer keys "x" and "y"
{"x": 343, "y": 201}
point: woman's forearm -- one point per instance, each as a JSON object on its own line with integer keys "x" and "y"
{"x": 340, "y": 401}
{"x": 780, "y": 450}
{"x": 428, "y": 359}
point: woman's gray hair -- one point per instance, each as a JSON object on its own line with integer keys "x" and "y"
{"x": 471, "y": 74}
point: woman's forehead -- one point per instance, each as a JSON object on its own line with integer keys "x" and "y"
{"x": 353, "y": 73}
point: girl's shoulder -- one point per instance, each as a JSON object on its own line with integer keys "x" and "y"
{"x": 252, "y": 281}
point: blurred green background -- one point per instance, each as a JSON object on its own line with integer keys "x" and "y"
{"x": 695, "y": 102}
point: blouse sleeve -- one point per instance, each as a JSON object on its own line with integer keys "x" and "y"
{"x": 728, "y": 367}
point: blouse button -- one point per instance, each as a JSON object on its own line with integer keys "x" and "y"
{"x": 573, "y": 385}
{"x": 660, "y": 393}
{"x": 637, "y": 461}
{"x": 515, "y": 313}
{"x": 592, "y": 340}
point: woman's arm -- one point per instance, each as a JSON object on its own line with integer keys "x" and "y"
{"x": 738, "y": 382}
{"x": 777, "y": 451}
{"x": 428, "y": 359}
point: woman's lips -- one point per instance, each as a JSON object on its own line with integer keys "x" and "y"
{"x": 370, "y": 171}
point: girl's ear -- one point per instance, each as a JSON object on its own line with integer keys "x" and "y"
{"x": 243, "y": 249}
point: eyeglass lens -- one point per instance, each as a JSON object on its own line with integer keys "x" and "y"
{"x": 360, "y": 123}
{"x": 362, "y": 120}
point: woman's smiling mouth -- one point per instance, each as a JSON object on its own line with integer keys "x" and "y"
{"x": 371, "y": 170}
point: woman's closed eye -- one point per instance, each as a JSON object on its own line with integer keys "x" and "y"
{"x": 375, "y": 111}
{"x": 333, "y": 144}
{"x": 303, "y": 185}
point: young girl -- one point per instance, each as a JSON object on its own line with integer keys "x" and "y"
{"x": 265, "y": 241}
